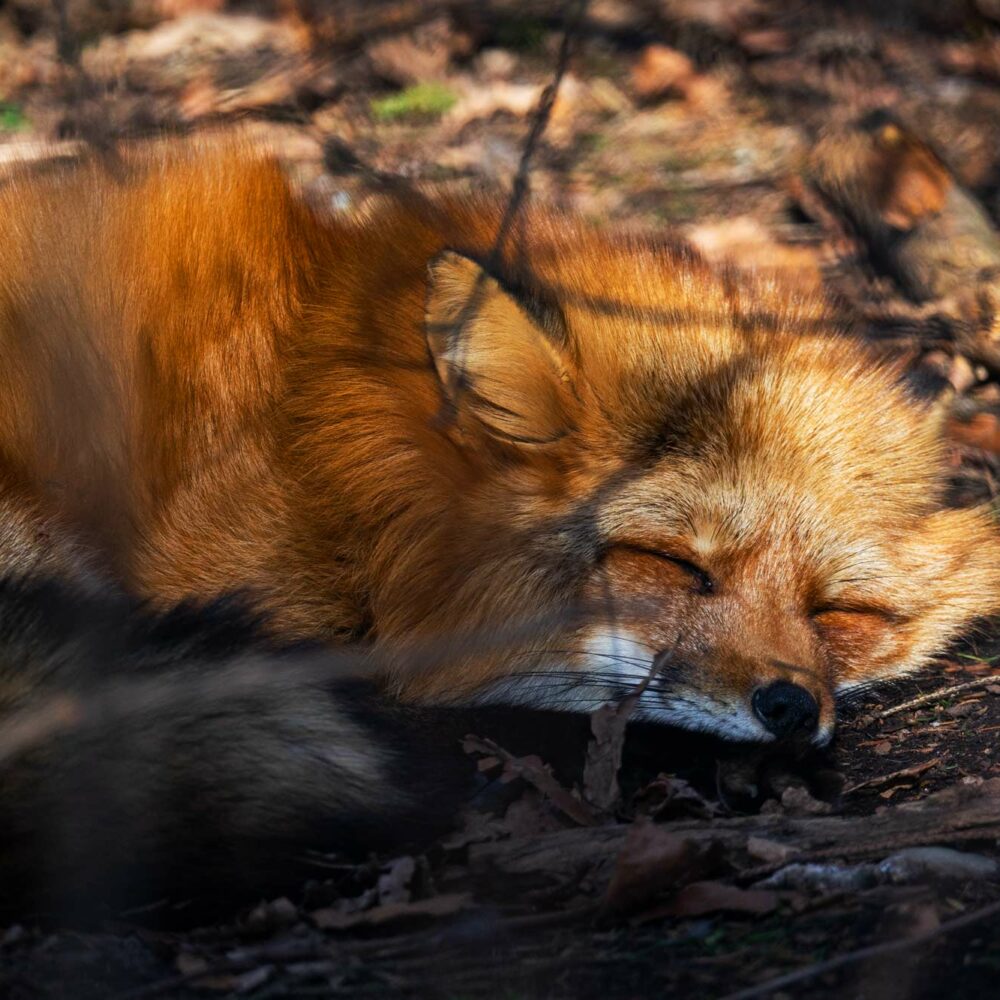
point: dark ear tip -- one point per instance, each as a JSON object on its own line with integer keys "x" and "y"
{"x": 927, "y": 379}
{"x": 924, "y": 385}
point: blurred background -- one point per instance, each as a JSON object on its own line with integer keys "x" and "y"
{"x": 694, "y": 113}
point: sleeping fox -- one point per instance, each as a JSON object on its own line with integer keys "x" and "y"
{"x": 588, "y": 462}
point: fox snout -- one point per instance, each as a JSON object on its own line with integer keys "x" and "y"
{"x": 786, "y": 709}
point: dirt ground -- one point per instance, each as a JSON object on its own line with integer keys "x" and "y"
{"x": 709, "y": 871}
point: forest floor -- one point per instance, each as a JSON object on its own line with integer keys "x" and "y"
{"x": 709, "y": 873}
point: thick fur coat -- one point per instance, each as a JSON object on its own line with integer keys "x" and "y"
{"x": 581, "y": 459}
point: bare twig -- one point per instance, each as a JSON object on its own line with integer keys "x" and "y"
{"x": 906, "y": 772}
{"x": 520, "y": 189}
{"x": 575, "y": 12}
{"x": 875, "y": 848}
{"x": 929, "y": 698}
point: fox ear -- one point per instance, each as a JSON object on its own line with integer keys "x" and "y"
{"x": 499, "y": 355}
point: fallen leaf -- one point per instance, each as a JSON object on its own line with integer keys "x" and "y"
{"x": 653, "y": 859}
{"x": 769, "y": 851}
{"x": 393, "y": 885}
{"x": 699, "y": 898}
{"x": 965, "y": 709}
{"x": 604, "y": 751}
{"x": 190, "y": 965}
{"x": 533, "y": 770}
{"x": 518, "y": 99}
{"x": 178, "y": 8}
{"x": 419, "y": 54}
{"x": 798, "y": 801}
{"x": 436, "y": 906}
{"x": 267, "y": 917}
{"x": 193, "y": 966}
{"x": 660, "y": 71}
{"x": 907, "y": 772}
{"x": 741, "y": 241}
{"x": 765, "y": 42}
{"x": 669, "y": 797}
{"x": 531, "y": 815}
{"x": 723, "y": 16}
{"x": 604, "y": 754}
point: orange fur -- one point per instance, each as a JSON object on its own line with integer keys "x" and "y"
{"x": 219, "y": 390}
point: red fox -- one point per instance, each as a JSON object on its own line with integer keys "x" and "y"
{"x": 595, "y": 458}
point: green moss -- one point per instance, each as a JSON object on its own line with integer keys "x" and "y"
{"x": 12, "y": 118}
{"x": 424, "y": 100}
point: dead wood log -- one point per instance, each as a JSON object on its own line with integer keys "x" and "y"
{"x": 959, "y": 814}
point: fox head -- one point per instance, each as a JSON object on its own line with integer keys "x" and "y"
{"x": 692, "y": 478}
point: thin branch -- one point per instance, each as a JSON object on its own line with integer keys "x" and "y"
{"x": 929, "y": 698}
{"x": 520, "y": 189}
{"x": 861, "y": 954}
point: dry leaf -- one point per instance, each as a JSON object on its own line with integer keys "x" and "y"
{"x": 414, "y": 56}
{"x": 518, "y": 99}
{"x": 533, "y": 770}
{"x": 901, "y": 775}
{"x": 604, "y": 754}
{"x": 699, "y": 898}
{"x": 436, "y": 906}
{"x": 652, "y": 860}
{"x": 669, "y": 797}
{"x": 769, "y": 851}
{"x": 393, "y": 884}
{"x": 660, "y": 71}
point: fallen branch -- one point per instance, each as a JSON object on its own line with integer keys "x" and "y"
{"x": 958, "y": 814}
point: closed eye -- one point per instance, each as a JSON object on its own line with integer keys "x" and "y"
{"x": 704, "y": 583}
{"x": 887, "y": 615}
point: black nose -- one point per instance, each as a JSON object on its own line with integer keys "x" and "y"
{"x": 786, "y": 708}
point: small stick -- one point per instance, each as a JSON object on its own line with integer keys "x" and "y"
{"x": 931, "y": 696}
{"x": 906, "y": 772}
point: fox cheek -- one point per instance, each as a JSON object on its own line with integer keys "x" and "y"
{"x": 960, "y": 552}
{"x": 949, "y": 579}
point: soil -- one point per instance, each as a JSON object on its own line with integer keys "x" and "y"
{"x": 685, "y": 115}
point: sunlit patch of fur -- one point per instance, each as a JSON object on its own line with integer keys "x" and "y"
{"x": 277, "y": 402}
